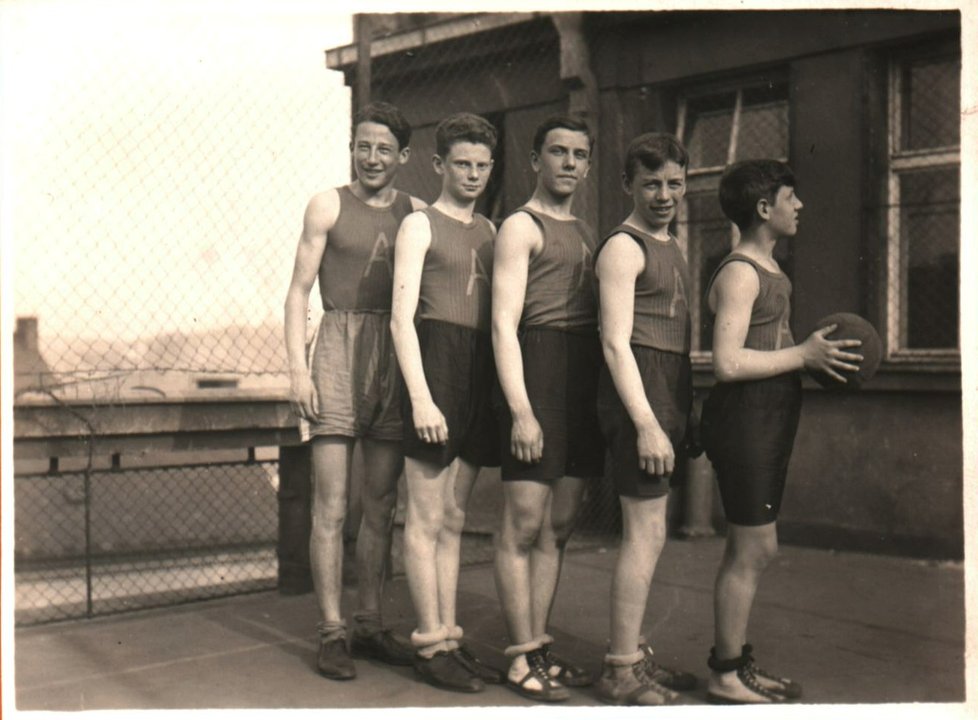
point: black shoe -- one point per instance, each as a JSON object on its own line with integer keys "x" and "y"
{"x": 666, "y": 676}
{"x": 382, "y": 645}
{"x": 444, "y": 671}
{"x": 334, "y": 661}
{"x": 568, "y": 674}
{"x": 477, "y": 668}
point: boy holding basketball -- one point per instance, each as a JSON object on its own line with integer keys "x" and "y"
{"x": 751, "y": 416}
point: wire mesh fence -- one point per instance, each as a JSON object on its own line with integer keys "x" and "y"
{"x": 98, "y": 542}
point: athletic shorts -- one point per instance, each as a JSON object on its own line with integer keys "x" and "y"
{"x": 668, "y": 382}
{"x": 748, "y": 431}
{"x": 560, "y": 370}
{"x": 458, "y": 365}
{"x": 354, "y": 370}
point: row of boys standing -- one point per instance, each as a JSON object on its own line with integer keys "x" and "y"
{"x": 446, "y": 346}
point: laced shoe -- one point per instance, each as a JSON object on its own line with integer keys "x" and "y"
{"x": 666, "y": 676}
{"x": 776, "y": 684}
{"x": 333, "y": 659}
{"x": 444, "y": 671}
{"x": 477, "y": 668}
{"x": 629, "y": 684}
{"x": 382, "y": 645}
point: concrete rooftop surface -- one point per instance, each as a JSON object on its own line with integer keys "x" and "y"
{"x": 853, "y": 628}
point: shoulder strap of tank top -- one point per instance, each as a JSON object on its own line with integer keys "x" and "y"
{"x": 732, "y": 257}
{"x": 630, "y": 231}
{"x": 403, "y": 204}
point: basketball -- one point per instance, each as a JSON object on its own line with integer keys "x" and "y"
{"x": 852, "y": 327}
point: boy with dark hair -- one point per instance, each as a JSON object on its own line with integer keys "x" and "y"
{"x": 644, "y": 399}
{"x": 442, "y": 278}
{"x": 544, "y": 331}
{"x": 350, "y": 392}
{"x": 751, "y": 415}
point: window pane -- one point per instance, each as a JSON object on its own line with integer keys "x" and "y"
{"x": 708, "y": 122}
{"x": 709, "y": 233}
{"x": 931, "y": 104}
{"x": 763, "y": 132}
{"x": 929, "y": 201}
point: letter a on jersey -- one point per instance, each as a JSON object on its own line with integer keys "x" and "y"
{"x": 477, "y": 271}
{"x": 380, "y": 253}
{"x": 678, "y": 292}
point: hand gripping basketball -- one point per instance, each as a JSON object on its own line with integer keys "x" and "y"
{"x": 851, "y": 327}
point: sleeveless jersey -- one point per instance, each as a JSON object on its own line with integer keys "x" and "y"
{"x": 661, "y": 316}
{"x": 457, "y": 275}
{"x": 770, "y": 327}
{"x": 560, "y": 279}
{"x": 357, "y": 270}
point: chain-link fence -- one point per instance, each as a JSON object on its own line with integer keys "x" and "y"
{"x": 96, "y": 542}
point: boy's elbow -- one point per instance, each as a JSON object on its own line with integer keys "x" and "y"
{"x": 724, "y": 370}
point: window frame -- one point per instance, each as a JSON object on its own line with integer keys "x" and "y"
{"x": 898, "y": 162}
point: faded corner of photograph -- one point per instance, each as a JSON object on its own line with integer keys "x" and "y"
{"x": 196, "y": 187}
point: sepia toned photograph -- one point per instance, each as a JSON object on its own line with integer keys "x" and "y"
{"x": 561, "y": 360}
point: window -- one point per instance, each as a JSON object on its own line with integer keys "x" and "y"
{"x": 923, "y": 205}
{"x": 718, "y": 126}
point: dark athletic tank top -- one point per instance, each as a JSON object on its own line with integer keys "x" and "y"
{"x": 770, "y": 318}
{"x": 457, "y": 275}
{"x": 357, "y": 270}
{"x": 560, "y": 280}
{"x": 661, "y": 317}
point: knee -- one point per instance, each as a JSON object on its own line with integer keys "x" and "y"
{"x": 328, "y": 515}
{"x": 518, "y": 535}
{"x": 453, "y": 520}
{"x": 378, "y": 509}
{"x": 754, "y": 556}
{"x": 562, "y": 530}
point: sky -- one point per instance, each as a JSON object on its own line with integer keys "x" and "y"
{"x": 159, "y": 155}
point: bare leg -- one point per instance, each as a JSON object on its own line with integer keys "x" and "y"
{"x": 455, "y": 498}
{"x": 524, "y": 506}
{"x": 330, "y": 462}
{"x": 643, "y": 537}
{"x": 425, "y": 513}
{"x": 547, "y": 555}
{"x": 748, "y": 552}
{"x": 383, "y": 461}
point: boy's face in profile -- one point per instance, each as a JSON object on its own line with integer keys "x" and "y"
{"x": 657, "y": 193}
{"x": 783, "y": 212}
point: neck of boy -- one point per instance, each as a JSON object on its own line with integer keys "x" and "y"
{"x": 447, "y": 205}
{"x": 549, "y": 204}
{"x": 382, "y": 197}
{"x": 636, "y": 221}
{"x": 760, "y": 247}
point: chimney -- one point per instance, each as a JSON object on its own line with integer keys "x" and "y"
{"x": 26, "y": 333}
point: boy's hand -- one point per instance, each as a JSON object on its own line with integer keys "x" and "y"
{"x": 304, "y": 400}
{"x": 829, "y": 356}
{"x": 655, "y": 453}
{"x": 526, "y": 439}
{"x": 429, "y": 422}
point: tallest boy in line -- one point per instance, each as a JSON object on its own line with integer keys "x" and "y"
{"x": 350, "y": 391}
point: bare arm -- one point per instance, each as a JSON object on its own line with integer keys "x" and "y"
{"x": 320, "y": 216}
{"x": 410, "y": 248}
{"x": 618, "y": 266}
{"x": 734, "y": 292}
{"x": 518, "y": 237}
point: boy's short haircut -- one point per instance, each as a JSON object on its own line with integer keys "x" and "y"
{"x": 384, "y": 113}
{"x": 565, "y": 122}
{"x": 746, "y": 182}
{"x": 464, "y": 127}
{"x": 652, "y": 151}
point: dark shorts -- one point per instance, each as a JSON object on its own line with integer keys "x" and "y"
{"x": 458, "y": 365}
{"x": 355, "y": 373}
{"x": 560, "y": 370}
{"x": 748, "y": 430}
{"x": 667, "y": 379}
